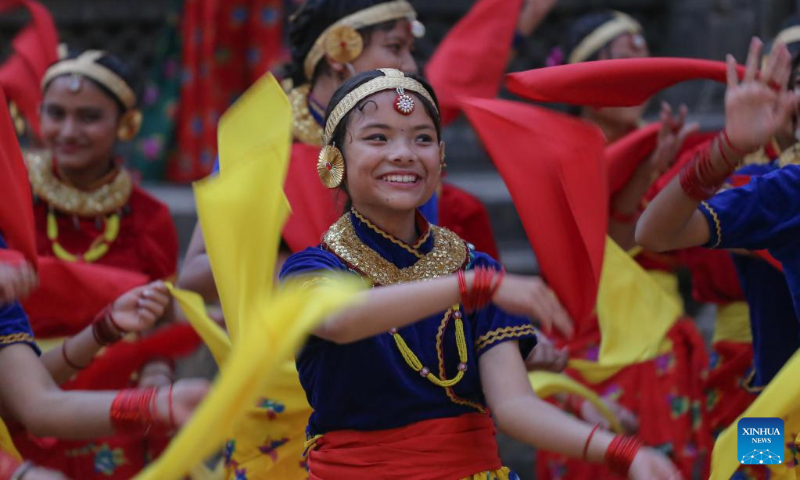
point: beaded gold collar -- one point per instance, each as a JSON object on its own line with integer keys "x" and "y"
{"x": 304, "y": 127}
{"x": 449, "y": 254}
{"x": 103, "y": 200}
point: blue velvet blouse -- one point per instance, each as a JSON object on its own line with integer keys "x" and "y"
{"x": 367, "y": 385}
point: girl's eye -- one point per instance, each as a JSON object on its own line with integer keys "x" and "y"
{"x": 54, "y": 113}
{"x": 89, "y": 117}
{"x": 378, "y": 137}
{"x": 424, "y": 138}
{"x": 395, "y": 47}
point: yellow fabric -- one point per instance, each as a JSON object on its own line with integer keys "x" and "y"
{"x": 6, "y": 444}
{"x": 634, "y": 314}
{"x": 733, "y": 323}
{"x": 779, "y": 399}
{"x": 669, "y": 284}
{"x": 502, "y": 474}
{"x": 212, "y": 334}
{"x": 241, "y": 213}
{"x": 547, "y": 384}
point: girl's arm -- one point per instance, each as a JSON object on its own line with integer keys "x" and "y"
{"x": 135, "y": 311}
{"x": 520, "y": 414}
{"x": 626, "y": 202}
{"x": 195, "y": 275}
{"x": 754, "y": 112}
{"x": 396, "y": 306}
{"x": 29, "y": 396}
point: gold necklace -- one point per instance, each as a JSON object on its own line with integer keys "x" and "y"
{"x": 790, "y": 156}
{"x": 103, "y": 200}
{"x": 449, "y": 253}
{"x": 304, "y": 127}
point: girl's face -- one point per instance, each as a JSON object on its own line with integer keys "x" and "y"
{"x": 79, "y": 125}
{"x": 388, "y": 49}
{"x": 624, "y": 46}
{"x": 392, "y": 161}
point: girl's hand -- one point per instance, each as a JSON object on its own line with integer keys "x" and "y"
{"x": 671, "y": 136}
{"x": 531, "y": 297}
{"x": 757, "y": 107}
{"x": 650, "y": 464}
{"x": 40, "y": 473}
{"x": 186, "y": 396}
{"x": 545, "y": 356}
{"x": 137, "y": 310}
{"x": 16, "y": 282}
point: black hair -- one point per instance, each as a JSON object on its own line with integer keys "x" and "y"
{"x": 116, "y": 65}
{"x": 308, "y": 23}
{"x": 362, "y": 78}
{"x": 582, "y": 28}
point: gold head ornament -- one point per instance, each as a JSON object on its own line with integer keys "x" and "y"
{"x": 620, "y": 24}
{"x": 342, "y": 43}
{"x": 86, "y": 66}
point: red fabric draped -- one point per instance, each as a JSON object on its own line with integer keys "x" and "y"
{"x": 16, "y": 214}
{"x": 565, "y": 212}
{"x": 454, "y": 447}
{"x": 611, "y": 83}
{"x": 227, "y": 45}
{"x": 626, "y": 154}
{"x": 35, "y": 49}
{"x": 471, "y": 59}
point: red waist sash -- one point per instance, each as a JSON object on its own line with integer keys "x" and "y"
{"x": 442, "y": 448}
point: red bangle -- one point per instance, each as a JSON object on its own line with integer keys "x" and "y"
{"x": 69, "y": 362}
{"x": 620, "y": 454}
{"x": 462, "y": 289}
{"x": 589, "y": 439}
{"x": 728, "y": 142}
{"x": 722, "y": 154}
{"x": 497, "y": 283}
{"x": 134, "y": 411}
{"x": 699, "y": 180}
{"x": 101, "y": 328}
{"x": 172, "y": 421}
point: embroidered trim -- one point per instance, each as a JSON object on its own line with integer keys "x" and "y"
{"x": 304, "y": 127}
{"x": 391, "y": 238}
{"x": 717, "y": 223}
{"x": 443, "y": 375}
{"x": 103, "y": 200}
{"x": 747, "y": 383}
{"x": 448, "y": 255}
{"x": 495, "y": 336}
{"x": 15, "y": 338}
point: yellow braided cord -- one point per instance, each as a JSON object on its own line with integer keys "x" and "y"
{"x": 413, "y": 361}
{"x": 717, "y": 225}
{"x": 385, "y": 235}
{"x": 14, "y": 338}
{"x": 503, "y": 333}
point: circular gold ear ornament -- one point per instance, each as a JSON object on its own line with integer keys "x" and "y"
{"x": 343, "y": 44}
{"x": 129, "y": 125}
{"x": 330, "y": 166}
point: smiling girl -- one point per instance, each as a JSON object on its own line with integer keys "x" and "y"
{"x": 402, "y": 384}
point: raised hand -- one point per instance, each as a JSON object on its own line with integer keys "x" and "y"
{"x": 758, "y": 106}
{"x": 671, "y": 136}
{"x": 651, "y": 464}
{"x": 138, "y": 309}
{"x": 530, "y": 296}
{"x": 545, "y": 356}
{"x": 16, "y": 282}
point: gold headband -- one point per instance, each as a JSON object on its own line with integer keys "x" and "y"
{"x": 788, "y": 36}
{"x": 86, "y": 66}
{"x": 619, "y": 25}
{"x": 383, "y": 12}
{"x": 391, "y": 80}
